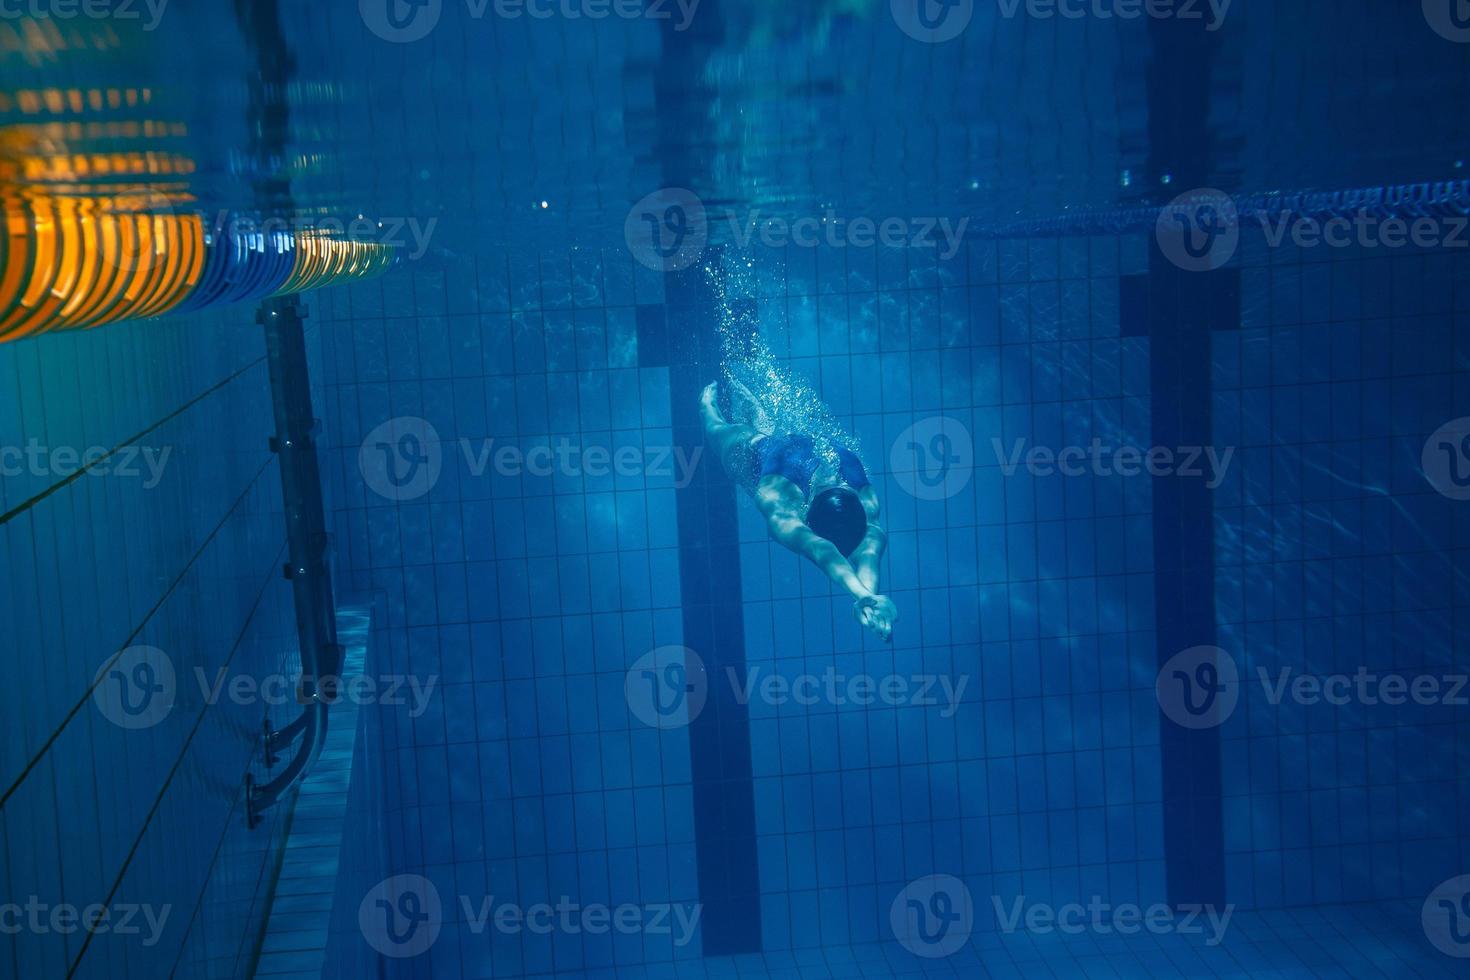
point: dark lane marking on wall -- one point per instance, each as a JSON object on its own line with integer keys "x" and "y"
{"x": 1180, "y": 310}
{"x": 709, "y": 541}
{"x": 714, "y": 627}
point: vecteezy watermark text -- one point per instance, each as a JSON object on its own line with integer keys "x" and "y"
{"x": 403, "y": 916}
{"x": 837, "y": 689}
{"x": 669, "y": 230}
{"x": 35, "y": 459}
{"x": 406, "y": 21}
{"x": 41, "y": 919}
{"x": 276, "y": 690}
{"x": 412, "y": 235}
{"x": 1102, "y": 918}
{"x": 1100, "y": 459}
{"x": 938, "y": 21}
{"x": 1364, "y": 687}
{"x": 403, "y": 460}
{"x": 1201, "y": 688}
{"x": 1366, "y": 230}
{"x": 1211, "y": 13}
{"x": 139, "y": 688}
{"x": 149, "y": 11}
{"x": 835, "y": 231}
{"x": 669, "y": 687}
{"x": 1200, "y": 231}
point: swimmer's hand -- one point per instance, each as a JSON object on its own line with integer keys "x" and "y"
{"x": 709, "y": 401}
{"x": 877, "y": 613}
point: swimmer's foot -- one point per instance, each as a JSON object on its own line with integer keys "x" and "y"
{"x": 709, "y": 402}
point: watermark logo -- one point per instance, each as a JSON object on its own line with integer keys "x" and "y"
{"x": 1446, "y": 459}
{"x": 934, "y": 458}
{"x": 142, "y": 687}
{"x": 136, "y": 690}
{"x": 1199, "y": 688}
{"x": 667, "y": 687}
{"x": 1449, "y": 18}
{"x": 932, "y": 21}
{"x": 402, "y": 459}
{"x": 933, "y": 917}
{"x": 401, "y": 21}
{"x": 402, "y": 917}
{"x": 149, "y": 11}
{"x": 39, "y": 918}
{"x": 1105, "y": 919}
{"x": 1446, "y": 917}
{"x": 1199, "y": 231}
{"x": 277, "y": 690}
{"x": 668, "y": 230}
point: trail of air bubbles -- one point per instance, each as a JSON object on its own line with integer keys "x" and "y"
{"x": 779, "y": 402}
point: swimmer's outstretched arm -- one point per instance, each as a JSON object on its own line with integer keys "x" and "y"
{"x": 869, "y": 554}
{"x": 873, "y": 610}
{"x": 793, "y": 533}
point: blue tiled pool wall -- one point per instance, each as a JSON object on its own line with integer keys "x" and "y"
{"x": 99, "y": 564}
{"x": 363, "y": 859}
{"x": 481, "y": 105}
{"x": 93, "y": 814}
{"x": 1041, "y": 594}
{"x": 1036, "y": 592}
{"x": 527, "y": 778}
{"x": 1333, "y": 553}
{"x": 1045, "y": 783}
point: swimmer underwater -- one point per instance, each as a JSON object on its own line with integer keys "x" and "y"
{"x": 819, "y": 504}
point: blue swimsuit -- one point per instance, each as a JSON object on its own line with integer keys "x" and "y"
{"x": 795, "y": 458}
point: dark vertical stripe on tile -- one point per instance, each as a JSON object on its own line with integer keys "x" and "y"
{"x": 709, "y": 551}
{"x": 714, "y": 627}
{"x": 1186, "y": 78}
{"x": 1179, "y": 327}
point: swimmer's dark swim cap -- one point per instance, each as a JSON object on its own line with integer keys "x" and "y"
{"x": 837, "y": 515}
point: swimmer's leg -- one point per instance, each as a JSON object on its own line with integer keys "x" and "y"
{"x": 732, "y": 441}
{"x": 745, "y": 406}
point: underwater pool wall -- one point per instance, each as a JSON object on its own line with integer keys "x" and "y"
{"x": 120, "y": 787}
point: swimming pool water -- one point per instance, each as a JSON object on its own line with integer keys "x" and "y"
{"x": 599, "y": 687}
